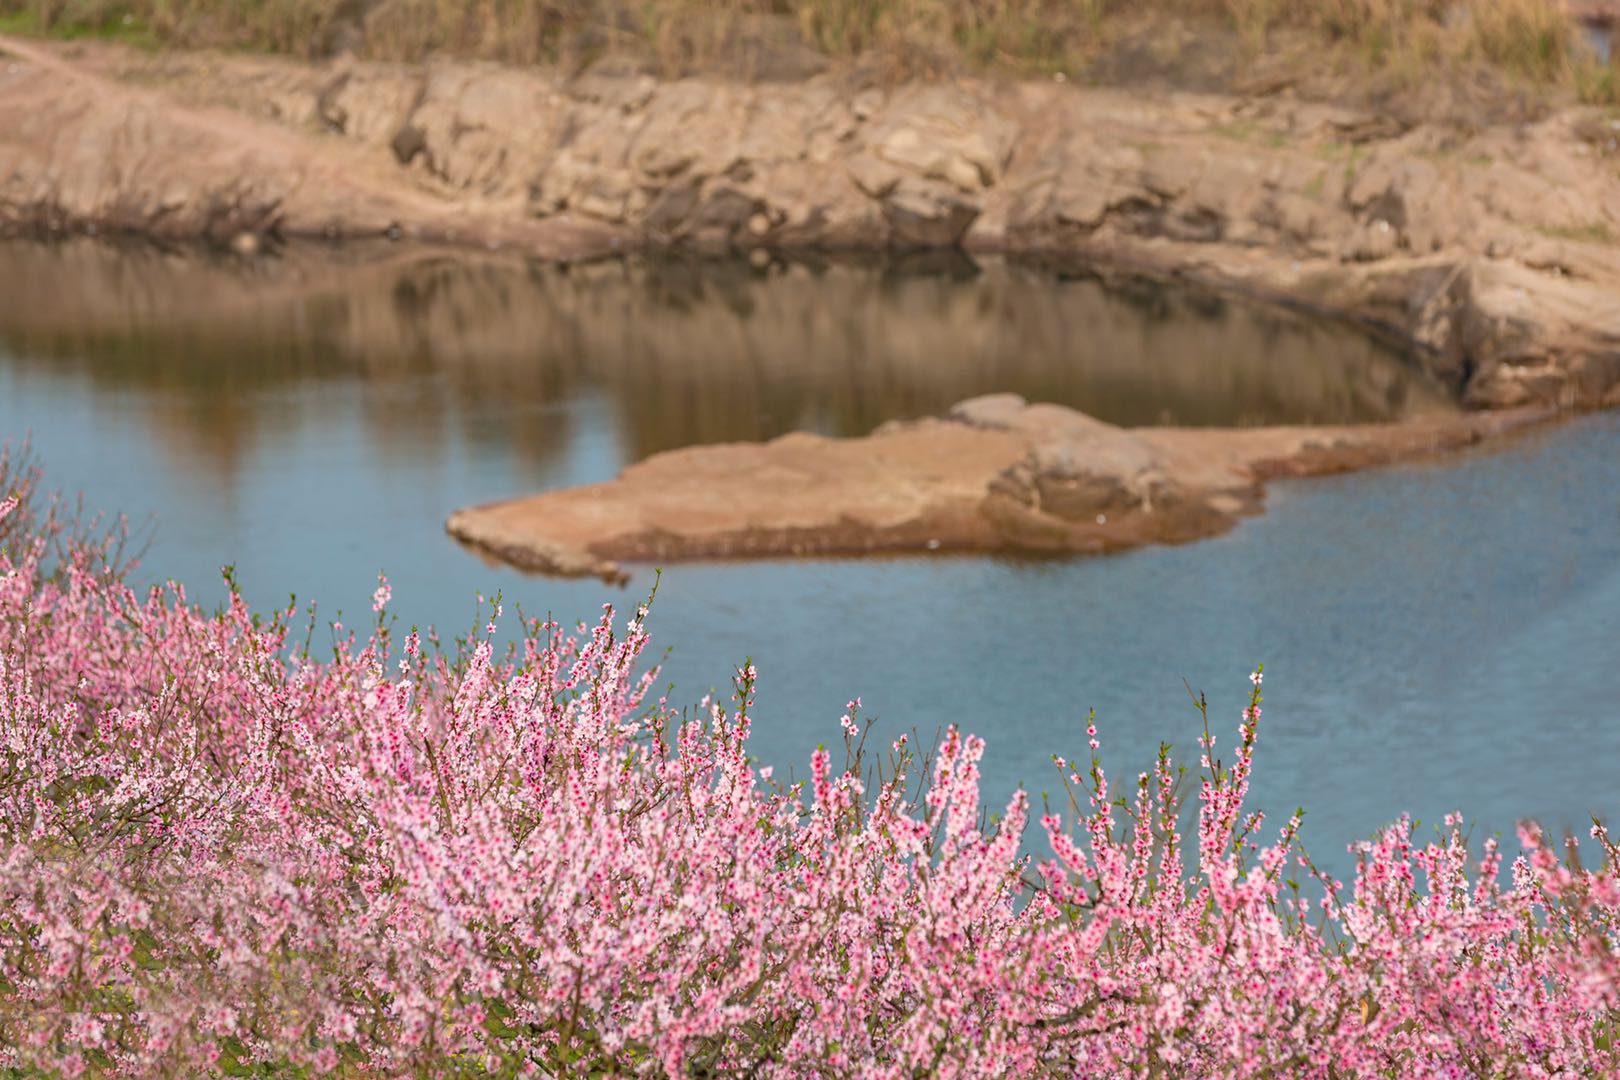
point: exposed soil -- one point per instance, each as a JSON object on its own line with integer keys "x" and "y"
{"x": 82, "y": 150}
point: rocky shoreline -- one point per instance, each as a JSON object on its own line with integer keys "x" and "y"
{"x": 995, "y": 474}
{"x": 1495, "y": 250}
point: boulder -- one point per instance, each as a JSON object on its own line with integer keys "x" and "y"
{"x": 926, "y": 215}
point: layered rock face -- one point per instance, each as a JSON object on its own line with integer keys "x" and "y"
{"x": 995, "y": 474}
{"x": 83, "y": 150}
{"x": 1496, "y": 250}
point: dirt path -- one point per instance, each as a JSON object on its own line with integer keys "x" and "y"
{"x": 87, "y": 150}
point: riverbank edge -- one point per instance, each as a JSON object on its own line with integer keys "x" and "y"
{"x": 1493, "y": 254}
{"x": 1488, "y": 253}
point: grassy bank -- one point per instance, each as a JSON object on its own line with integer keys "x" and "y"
{"x": 1534, "y": 41}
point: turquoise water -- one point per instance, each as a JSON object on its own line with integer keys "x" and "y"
{"x": 1442, "y": 636}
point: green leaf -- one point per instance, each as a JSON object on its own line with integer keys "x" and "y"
{"x": 230, "y": 1058}
{"x": 498, "y": 1027}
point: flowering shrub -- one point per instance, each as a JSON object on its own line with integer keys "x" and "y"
{"x": 221, "y": 853}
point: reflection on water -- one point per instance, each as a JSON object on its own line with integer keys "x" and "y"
{"x": 229, "y": 349}
{"x": 1437, "y": 637}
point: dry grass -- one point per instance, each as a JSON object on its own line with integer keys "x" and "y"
{"x": 1532, "y": 40}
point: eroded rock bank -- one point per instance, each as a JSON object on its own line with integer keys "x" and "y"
{"x": 1494, "y": 248}
{"x": 996, "y": 474}
{"x": 87, "y": 150}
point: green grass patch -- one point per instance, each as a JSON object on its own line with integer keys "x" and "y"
{"x": 1593, "y": 232}
{"x": 1246, "y": 132}
{"x": 1449, "y": 153}
{"x": 81, "y": 22}
{"x": 1347, "y": 155}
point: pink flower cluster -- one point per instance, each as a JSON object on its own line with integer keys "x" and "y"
{"x": 219, "y": 851}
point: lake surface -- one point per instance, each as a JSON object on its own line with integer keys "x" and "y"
{"x": 1436, "y": 637}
